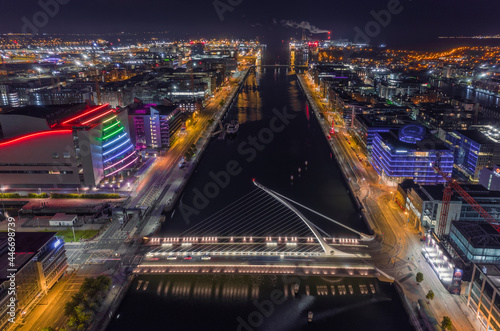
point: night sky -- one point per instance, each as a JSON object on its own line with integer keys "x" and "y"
{"x": 420, "y": 21}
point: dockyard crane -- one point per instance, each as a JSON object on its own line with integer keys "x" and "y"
{"x": 449, "y": 186}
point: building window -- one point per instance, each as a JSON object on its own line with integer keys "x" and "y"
{"x": 55, "y": 155}
{"x": 67, "y": 155}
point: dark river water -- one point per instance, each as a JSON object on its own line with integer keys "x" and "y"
{"x": 252, "y": 302}
{"x": 455, "y": 90}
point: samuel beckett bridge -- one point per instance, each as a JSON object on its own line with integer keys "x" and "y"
{"x": 261, "y": 232}
{"x": 261, "y": 223}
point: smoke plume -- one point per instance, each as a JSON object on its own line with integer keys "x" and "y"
{"x": 302, "y": 25}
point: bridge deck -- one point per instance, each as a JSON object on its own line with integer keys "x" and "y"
{"x": 163, "y": 248}
{"x": 340, "y": 270}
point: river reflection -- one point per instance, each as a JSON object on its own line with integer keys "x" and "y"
{"x": 456, "y": 90}
{"x": 251, "y": 302}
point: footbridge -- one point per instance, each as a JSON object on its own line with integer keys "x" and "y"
{"x": 261, "y": 223}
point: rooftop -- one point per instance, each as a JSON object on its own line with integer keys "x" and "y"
{"x": 49, "y": 112}
{"x": 387, "y": 120}
{"x": 429, "y": 143}
{"x": 27, "y": 246}
{"x": 476, "y": 136}
{"x": 476, "y": 191}
{"x": 408, "y": 184}
{"x": 165, "y": 110}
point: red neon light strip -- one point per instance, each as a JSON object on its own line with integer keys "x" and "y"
{"x": 98, "y": 116}
{"x": 114, "y": 164}
{"x": 114, "y": 172}
{"x": 86, "y": 113}
{"x": 33, "y": 135}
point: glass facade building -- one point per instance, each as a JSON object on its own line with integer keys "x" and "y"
{"x": 40, "y": 262}
{"x": 484, "y": 295}
{"x": 478, "y": 241}
{"x": 410, "y": 153}
{"x": 473, "y": 151}
{"x": 154, "y": 126}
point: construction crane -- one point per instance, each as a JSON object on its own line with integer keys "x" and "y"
{"x": 449, "y": 186}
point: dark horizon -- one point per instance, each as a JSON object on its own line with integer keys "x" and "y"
{"x": 411, "y": 23}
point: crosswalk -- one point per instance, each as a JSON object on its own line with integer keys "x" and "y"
{"x": 99, "y": 256}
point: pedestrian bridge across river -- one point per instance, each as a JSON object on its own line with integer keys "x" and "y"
{"x": 261, "y": 223}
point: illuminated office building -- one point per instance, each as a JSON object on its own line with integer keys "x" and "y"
{"x": 409, "y": 153}
{"x": 473, "y": 151}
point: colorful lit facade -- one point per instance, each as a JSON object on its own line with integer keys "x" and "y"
{"x": 118, "y": 151}
{"x": 410, "y": 153}
{"x": 366, "y": 125}
{"x": 154, "y": 126}
{"x": 64, "y": 147}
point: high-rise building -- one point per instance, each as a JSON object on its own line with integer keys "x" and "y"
{"x": 154, "y": 126}
{"x": 473, "y": 150}
{"x": 40, "y": 261}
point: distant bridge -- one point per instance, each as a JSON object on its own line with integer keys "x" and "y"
{"x": 272, "y": 65}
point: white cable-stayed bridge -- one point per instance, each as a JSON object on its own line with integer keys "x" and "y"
{"x": 260, "y": 223}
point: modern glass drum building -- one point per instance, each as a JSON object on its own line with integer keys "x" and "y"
{"x": 409, "y": 153}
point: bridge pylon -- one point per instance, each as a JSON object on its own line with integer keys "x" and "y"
{"x": 329, "y": 250}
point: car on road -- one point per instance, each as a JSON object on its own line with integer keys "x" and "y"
{"x": 189, "y": 257}
{"x": 206, "y": 257}
{"x": 171, "y": 257}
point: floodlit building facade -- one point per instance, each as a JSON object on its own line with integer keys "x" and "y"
{"x": 64, "y": 146}
{"x": 410, "y": 152}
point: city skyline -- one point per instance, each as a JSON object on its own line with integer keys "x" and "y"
{"x": 251, "y": 166}
{"x": 417, "y": 23}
